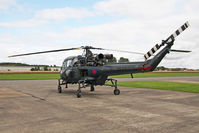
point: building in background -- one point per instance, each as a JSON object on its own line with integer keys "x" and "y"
{"x": 27, "y": 68}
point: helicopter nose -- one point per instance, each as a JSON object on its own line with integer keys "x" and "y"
{"x": 68, "y": 73}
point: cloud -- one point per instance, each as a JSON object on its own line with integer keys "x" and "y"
{"x": 6, "y": 4}
{"x": 23, "y": 23}
{"x": 136, "y": 8}
{"x": 142, "y": 25}
{"x": 136, "y": 35}
{"x": 122, "y": 35}
{"x": 49, "y": 15}
{"x": 59, "y": 14}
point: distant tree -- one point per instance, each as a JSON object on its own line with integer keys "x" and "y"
{"x": 45, "y": 68}
{"x": 13, "y": 64}
{"x": 122, "y": 59}
{"x": 175, "y": 69}
{"x": 36, "y": 68}
{"x": 160, "y": 68}
{"x": 114, "y": 60}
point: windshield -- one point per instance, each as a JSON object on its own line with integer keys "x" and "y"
{"x": 74, "y": 62}
{"x": 70, "y": 63}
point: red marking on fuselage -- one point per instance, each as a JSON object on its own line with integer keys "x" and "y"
{"x": 94, "y": 72}
{"x": 144, "y": 68}
{"x": 147, "y": 68}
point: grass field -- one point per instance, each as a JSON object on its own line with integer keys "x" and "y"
{"x": 23, "y": 76}
{"x": 158, "y": 74}
{"x": 162, "y": 85}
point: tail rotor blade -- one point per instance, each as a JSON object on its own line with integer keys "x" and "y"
{"x": 169, "y": 39}
{"x": 177, "y": 32}
{"x": 151, "y": 52}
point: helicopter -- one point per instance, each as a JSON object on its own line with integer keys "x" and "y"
{"x": 90, "y": 70}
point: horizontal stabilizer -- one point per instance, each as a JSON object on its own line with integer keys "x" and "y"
{"x": 184, "y": 51}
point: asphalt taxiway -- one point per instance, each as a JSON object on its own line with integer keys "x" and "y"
{"x": 35, "y": 106}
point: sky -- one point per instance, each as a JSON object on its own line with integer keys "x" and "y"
{"x": 132, "y": 25}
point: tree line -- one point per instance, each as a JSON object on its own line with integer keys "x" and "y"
{"x": 121, "y": 60}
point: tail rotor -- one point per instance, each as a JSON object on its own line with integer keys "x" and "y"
{"x": 170, "y": 39}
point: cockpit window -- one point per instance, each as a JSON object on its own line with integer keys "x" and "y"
{"x": 74, "y": 62}
{"x": 65, "y": 64}
{"x": 69, "y": 63}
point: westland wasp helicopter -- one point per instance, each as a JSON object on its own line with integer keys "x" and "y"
{"x": 93, "y": 69}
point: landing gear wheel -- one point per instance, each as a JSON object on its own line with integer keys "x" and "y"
{"x": 59, "y": 89}
{"x": 79, "y": 94}
{"x": 92, "y": 88}
{"x": 116, "y": 91}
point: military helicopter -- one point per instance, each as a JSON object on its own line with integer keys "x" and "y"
{"x": 91, "y": 69}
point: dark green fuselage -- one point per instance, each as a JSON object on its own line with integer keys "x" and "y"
{"x": 99, "y": 74}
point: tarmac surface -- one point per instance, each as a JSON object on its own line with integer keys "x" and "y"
{"x": 28, "y": 106}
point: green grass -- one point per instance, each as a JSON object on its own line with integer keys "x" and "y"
{"x": 162, "y": 85}
{"x": 29, "y": 76}
{"x": 56, "y": 75}
{"x": 166, "y": 74}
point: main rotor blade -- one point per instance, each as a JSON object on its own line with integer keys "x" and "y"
{"x": 45, "y": 52}
{"x": 184, "y": 51}
{"x": 124, "y": 51}
{"x": 90, "y": 47}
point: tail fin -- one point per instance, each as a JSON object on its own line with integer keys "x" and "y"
{"x": 169, "y": 39}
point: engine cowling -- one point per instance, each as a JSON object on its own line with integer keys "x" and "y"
{"x": 100, "y": 56}
{"x": 104, "y": 56}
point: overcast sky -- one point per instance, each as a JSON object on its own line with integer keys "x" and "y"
{"x": 133, "y": 25}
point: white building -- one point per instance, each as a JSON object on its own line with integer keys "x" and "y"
{"x": 24, "y": 68}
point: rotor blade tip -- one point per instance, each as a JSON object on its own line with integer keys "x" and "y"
{"x": 187, "y": 23}
{"x": 77, "y": 49}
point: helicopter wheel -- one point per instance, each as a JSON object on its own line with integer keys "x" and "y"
{"x": 92, "y": 88}
{"x": 79, "y": 94}
{"x": 116, "y": 91}
{"x": 59, "y": 89}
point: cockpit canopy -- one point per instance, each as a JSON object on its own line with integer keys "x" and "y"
{"x": 70, "y": 61}
{"x": 73, "y": 61}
